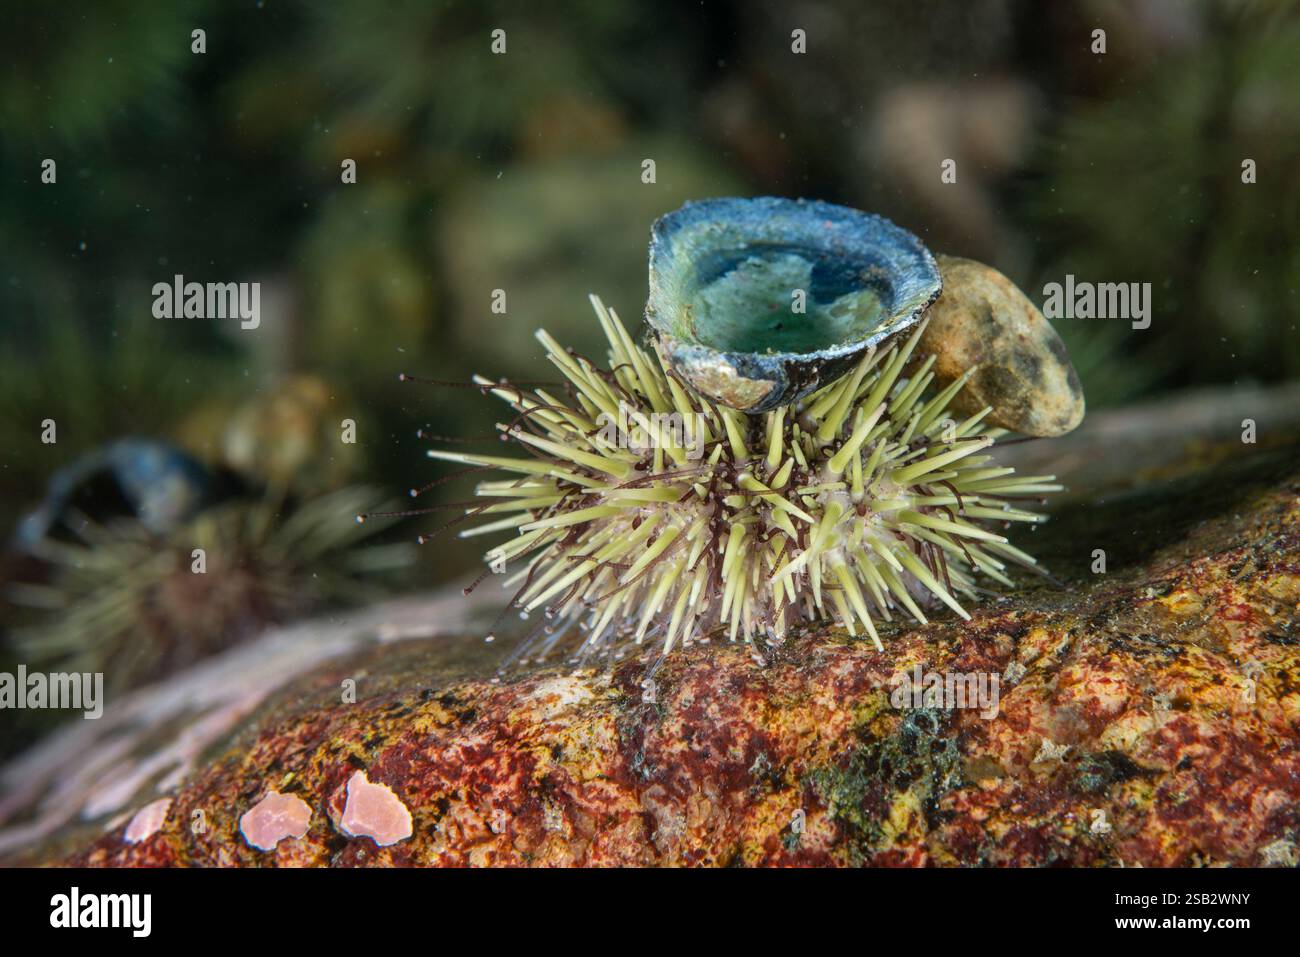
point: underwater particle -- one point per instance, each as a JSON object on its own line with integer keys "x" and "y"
{"x": 374, "y": 811}
{"x": 274, "y": 818}
{"x": 146, "y": 821}
{"x": 645, "y": 511}
{"x": 814, "y": 284}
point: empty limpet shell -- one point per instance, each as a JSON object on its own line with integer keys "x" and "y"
{"x": 759, "y": 302}
{"x": 1021, "y": 367}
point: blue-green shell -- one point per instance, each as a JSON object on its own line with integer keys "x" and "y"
{"x": 728, "y": 277}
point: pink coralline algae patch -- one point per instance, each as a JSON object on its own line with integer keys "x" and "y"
{"x": 373, "y": 810}
{"x": 147, "y": 820}
{"x": 272, "y": 819}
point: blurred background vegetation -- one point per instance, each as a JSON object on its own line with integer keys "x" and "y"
{"x": 522, "y": 172}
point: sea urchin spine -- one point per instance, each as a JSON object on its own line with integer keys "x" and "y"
{"x": 862, "y": 499}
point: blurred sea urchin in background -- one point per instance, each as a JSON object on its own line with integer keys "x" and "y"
{"x": 142, "y": 560}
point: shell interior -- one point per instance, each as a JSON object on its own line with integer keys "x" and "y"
{"x": 759, "y": 301}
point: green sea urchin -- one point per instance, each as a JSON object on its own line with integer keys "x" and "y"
{"x": 125, "y": 597}
{"x": 646, "y": 511}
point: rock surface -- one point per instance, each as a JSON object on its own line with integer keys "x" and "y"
{"x": 1147, "y": 715}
